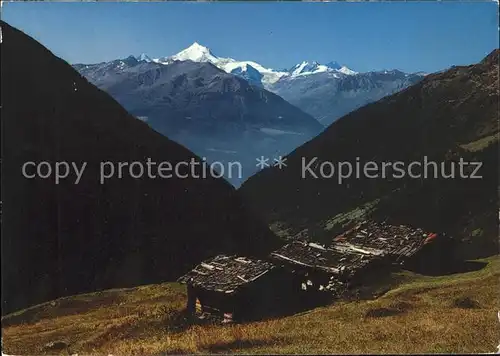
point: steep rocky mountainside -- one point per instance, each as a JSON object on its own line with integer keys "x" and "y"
{"x": 446, "y": 117}
{"x": 67, "y": 238}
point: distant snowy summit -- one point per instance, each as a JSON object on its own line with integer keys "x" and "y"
{"x": 251, "y": 71}
{"x": 306, "y": 68}
{"x": 144, "y": 57}
{"x": 195, "y": 53}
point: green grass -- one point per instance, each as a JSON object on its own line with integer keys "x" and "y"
{"x": 417, "y": 315}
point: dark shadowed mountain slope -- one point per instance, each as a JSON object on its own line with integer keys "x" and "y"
{"x": 70, "y": 238}
{"x": 216, "y": 114}
{"x": 447, "y": 116}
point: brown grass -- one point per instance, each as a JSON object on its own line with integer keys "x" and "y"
{"x": 419, "y": 316}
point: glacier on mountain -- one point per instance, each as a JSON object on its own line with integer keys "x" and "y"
{"x": 250, "y": 70}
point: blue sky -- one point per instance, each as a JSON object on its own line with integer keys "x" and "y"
{"x": 420, "y": 36}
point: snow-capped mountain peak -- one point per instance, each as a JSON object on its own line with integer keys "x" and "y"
{"x": 143, "y": 57}
{"x": 347, "y": 71}
{"x": 342, "y": 69}
{"x": 195, "y": 53}
{"x": 198, "y": 53}
{"x": 306, "y": 68}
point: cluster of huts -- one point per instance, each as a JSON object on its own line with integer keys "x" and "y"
{"x": 241, "y": 288}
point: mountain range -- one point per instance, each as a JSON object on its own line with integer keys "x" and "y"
{"x": 219, "y": 116}
{"x": 200, "y": 100}
{"x": 325, "y": 91}
{"x": 329, "y": 95}
{"x": 254, "y": 71}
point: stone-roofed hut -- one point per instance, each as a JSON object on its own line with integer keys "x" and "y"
{"x": 399, "y": 244}
{"x": 323, "y": 268}
{"x": 235, "y": 288}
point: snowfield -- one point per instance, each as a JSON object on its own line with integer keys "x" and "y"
{"x": 199, "y": 53}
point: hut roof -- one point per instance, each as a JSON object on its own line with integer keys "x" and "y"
{"x": 369, "y": 237}
{"x": 226, "y": 273}
{"x": 315, "y": 256}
